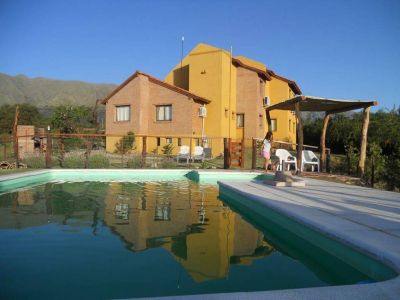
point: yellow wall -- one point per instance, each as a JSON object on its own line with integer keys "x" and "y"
{"x": 278, "y": 91}
{"x": 208, "y": 69}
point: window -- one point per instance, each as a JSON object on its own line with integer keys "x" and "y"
{"x": 274, "y": 125}
{"x": 179, "y": 142}
{"x": 123, "y": 113}
{"x": 240, "y": 120}
{"x": 158, "y": 142}
{"x": 290, "y": 123}
{"x": 164, "y": 112}
{"x": 168, "y": 140}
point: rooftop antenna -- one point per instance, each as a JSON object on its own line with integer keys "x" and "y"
{"x": 230, "y": 87}
{"x": 183, "y": 39}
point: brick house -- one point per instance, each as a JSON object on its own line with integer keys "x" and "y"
{"x": 151, "y": 107}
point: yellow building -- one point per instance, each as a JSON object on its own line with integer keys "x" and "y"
{"x": 227, "y": 96}
{"x": 238, "y": 88}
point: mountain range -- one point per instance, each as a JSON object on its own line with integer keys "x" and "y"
{"x": 44, "y": 92}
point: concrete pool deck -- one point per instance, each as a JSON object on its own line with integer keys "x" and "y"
{"x": 367, "y": 220}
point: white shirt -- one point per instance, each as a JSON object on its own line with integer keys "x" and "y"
{"x": 266, "y": 146}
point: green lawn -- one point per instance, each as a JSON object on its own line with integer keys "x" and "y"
{"x": 12, "y": 171}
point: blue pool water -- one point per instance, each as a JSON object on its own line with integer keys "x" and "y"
{"x": 101, "y": 240}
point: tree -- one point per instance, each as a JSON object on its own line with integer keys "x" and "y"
{"x": 29, "y": 115}
{"x": 71, "y": 119}
{"x": 125, "y": 144}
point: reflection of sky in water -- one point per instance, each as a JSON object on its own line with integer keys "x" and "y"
{"x": 115, "y": 240}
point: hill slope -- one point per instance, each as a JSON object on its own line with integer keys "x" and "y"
{"x": 43, "y": 92}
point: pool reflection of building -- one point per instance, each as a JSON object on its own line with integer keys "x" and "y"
{"x": 187, "y": 220}
{"x": 161, "y": 216}
{"x": 49, "y": 203}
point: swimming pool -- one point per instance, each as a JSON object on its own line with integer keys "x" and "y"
{"x": 95, "y": 235}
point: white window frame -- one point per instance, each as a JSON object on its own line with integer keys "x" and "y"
{"x": 162, "y": 113}
{"x": 122, "y": 113}
{"x": 239, "y": 124}
{"x": 274, "y": 125}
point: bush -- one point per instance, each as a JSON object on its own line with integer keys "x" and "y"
{"x": 99, "y": 161}
{"x": 74, "y": 162}
{"x": 167, "y": 149}
{"x": 35, "y": 161}
{"x": 135, "y": 162}
{"x": 125, "y": 144}
{"x": 168, "y": 164}
{"x": 352, "y": 156}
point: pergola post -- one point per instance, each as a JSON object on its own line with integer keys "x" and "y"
{"x": 299, "y": 137}
{"x": 322, "y": 160}
{"x": 363, "y": 141}
{"x": 268, "y": 116}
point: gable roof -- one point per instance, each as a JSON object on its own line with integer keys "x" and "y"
{"x": 159, "y": 82}
{"x": 292, "y": 84}
{"x": 263, "y": 73}
{"x": 267, "y": 74}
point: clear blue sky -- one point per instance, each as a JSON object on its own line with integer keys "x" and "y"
{"x": 340, "y": 49}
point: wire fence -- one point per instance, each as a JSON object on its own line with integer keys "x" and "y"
{"x": 54, "y": 150}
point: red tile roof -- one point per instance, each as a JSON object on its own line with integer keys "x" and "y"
{"x": 156, "y": 81}
{"x": 267, "y": 74}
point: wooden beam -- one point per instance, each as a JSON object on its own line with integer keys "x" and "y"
{"x": 253, "y": 154}
{"x": 363, "y": 142}
{"x": 322, "y": 160}
{"x": 299, "y": 137}
{"x": 49, "y": 151}
{"x": 226, "y": 153}
{"x": 353, "y": 107}
{"x": 268, "y": 116}
{"x": 286, "y": 105}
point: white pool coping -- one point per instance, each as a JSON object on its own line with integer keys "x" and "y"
{"x": 365, "y": 219}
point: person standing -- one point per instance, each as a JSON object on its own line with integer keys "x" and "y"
{"x": 266, "y": 149}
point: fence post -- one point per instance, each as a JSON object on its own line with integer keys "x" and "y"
{"x": 242, "y": 150}
{"x": 87, "y": 155}
{"x": 49, "y": 150}
{"x": 254, "y": 155}
{"x": 190, "y": 152}
{"x": 144, "y": 151}
{"x": 328, "y": 161}
{"x": 227, "y": 153}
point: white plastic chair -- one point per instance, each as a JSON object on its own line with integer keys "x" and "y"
{"x": 198, "y": 154}
{"x": 285, "y": 158}
{"x": 183, "y": 154}
{"x": 309, "y": 158}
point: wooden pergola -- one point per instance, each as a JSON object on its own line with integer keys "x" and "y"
{"x": 329, "y": 106}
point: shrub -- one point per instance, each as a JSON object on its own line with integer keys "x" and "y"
{"x": 125, "y": 144}
{"x": 74, "y": 162}
{"x": 99, "y": 161}
{"x": 35, "y": 161}
{"x": 352, "y": 155}
{"x": 135, "y": 162}
{"x": 168, "y": 164}
{"x": 167, "y": 149}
